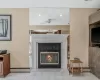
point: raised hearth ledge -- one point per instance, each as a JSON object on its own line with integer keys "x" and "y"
{"x": 49, "y": 38}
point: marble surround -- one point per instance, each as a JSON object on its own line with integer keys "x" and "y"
{"x": 49, "y": 38}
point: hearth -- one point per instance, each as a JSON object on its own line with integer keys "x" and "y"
{"x": 49, "y": 55}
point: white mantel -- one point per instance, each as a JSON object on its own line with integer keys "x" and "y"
{"x": 49, "y": 38}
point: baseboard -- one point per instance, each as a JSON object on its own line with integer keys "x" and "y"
{"x": 27, "y": 70}
{"x": 20, "y": 70}
{"x": 86, "y": 69}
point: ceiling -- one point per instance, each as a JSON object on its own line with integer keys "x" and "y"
{"x": 49, "y": 16}
{"x": 50, "y": 3}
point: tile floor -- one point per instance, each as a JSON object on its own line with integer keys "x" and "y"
{"x": 48, "y": 75}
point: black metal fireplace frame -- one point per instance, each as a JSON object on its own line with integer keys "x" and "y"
{"x": 54, "y": 49}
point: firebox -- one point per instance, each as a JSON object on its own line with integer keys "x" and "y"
{"x": 49, "y": 55}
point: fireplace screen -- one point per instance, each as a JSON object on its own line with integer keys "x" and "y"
{"x": 49, "y": 58}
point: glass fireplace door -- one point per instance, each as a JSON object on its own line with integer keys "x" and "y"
{"x": 49, "y": 58}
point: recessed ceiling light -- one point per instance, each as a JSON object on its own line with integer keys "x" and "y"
{"x": 39, "y": 14}
{"x": 60, "y": 15}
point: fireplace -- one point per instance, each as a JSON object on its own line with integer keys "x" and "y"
{"x": 37, "y": 40}
{"x": 49, "y": 55}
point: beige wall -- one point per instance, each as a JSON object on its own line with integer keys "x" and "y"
{"x": 19, "y": 46}
{"x": 79, "y": 31}
{"x": 52, "y": 27}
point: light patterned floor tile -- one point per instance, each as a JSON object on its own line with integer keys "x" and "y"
{"x": 40, "y": 75}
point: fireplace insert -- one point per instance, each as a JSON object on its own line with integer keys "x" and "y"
{"x": 49, "y": 55}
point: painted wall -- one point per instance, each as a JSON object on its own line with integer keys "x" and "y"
{"x": 79, "y": 33}
{"x": 51, "y": 27}
{"x": 19, "y": 46}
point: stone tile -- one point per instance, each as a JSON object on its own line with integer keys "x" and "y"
{"x": 40, "y": 75}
